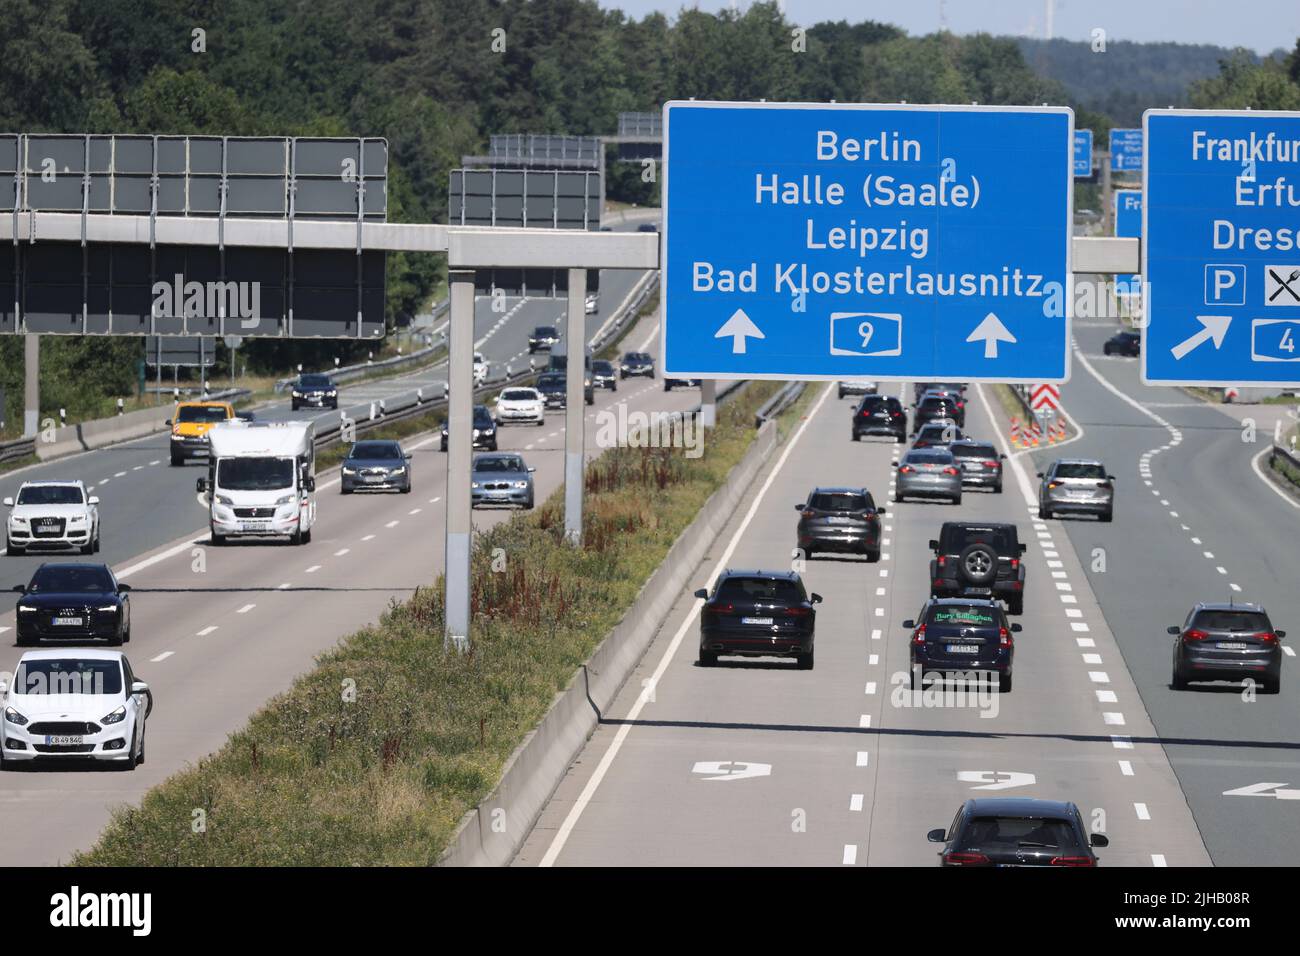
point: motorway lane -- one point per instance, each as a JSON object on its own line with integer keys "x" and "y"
{"x": 144, "y": 502}
{"x": 216, "y": 644}
{"x": 1199, "y": 524}
{"x": 856, "y": 775}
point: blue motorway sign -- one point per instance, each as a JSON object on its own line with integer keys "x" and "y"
{"x": 1221, "y": 248}
{"x": 1125, "y": 150}
{"x": 811, "y": 241}
{"x": 1128, "y": 223}
{"x": 1082, "y": 153}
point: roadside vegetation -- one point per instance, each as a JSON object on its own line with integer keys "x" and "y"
{"x": 316, "y": 778}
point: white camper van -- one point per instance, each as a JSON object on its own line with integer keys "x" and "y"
{"x": 261, "y": 480}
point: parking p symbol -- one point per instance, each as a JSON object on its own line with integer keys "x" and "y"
{"x": 1225, "y": 284}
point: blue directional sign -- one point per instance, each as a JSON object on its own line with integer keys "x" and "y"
{"x": 1125, "y": 150}
{"x": 810, "y": 241}
{"x": 1082, "y": 153}
{"x": 1128, "y": 223}
{"x": 1221, "y": 248}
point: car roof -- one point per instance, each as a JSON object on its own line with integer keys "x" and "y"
{"x": 964, "y": 602}
{"x": 51, "y": 482}
{"x": 829, "y": 490}
{"x": 1022, "y": 807}
{"x": 969, "y": 441}
{"x": 1078, "y": 461}
{"x": 1234, "y": 606}
{"x": 979, "y": 525}
{"x": 757, "y": 573}
{"x": 74, "y": 564}
{"x": 938, "y": 427}
{"x": 491, "y": 455}
{"x": 55, "y": 653}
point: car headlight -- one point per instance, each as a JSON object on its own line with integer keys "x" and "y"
{"x": 223, "y": 500}
{"x": 15, "y": 520}
{"x": 116, "y": 717}
{"x": 473, "y": 484}
{"x": 521, "y": 484}
{"x": 476, "y": 433}
{"x": 107, "y": 608}
{"x": 349, "y": 471}
{"x": 78, "y": 519}
{"x": 331, "y": 393}
{"x": 14, "y": 717}
{"x": 297, "y": 394}
{"x": 26, "y": 609}
{"x": 287, "y": 499}
{"x": 398, "y": 471}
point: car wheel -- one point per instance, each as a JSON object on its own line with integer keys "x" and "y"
{"x": 957, "y": 500}
{"x": 129, "y": 763}
{"x": 1105, "y": 349}
{"x": 857, "y": 437}
{"x": 11, "y": 548}
{"x": 841, "y": 393}
{"x": 139, "y": 758}
{"x": 87, "y": 548}
{"x": 217, "y": 539}
{"x": 296, "y": 538}
{"x": 1016, "y": 605}
{"x": 804, "y": 661}
{"x": 115, "y": 640}
{"x": 96, "y": 551}
{"x": 344, "y": 490}
{"x": 24, "y": 641}
{"x": 997, "y": 489}
{"x": 295, "y": 406}
{"x": 529, "y": 506}
{"x": 1004, "y": 683}
{"x": 873, "y": 556}
{"x": 708, "y": 658}
{"x": 667, "y": 387}
{"x": 1107, "y": 516}
{"x": 177, "y": 460}
{"x": 1178, "y": 681}
{"x": 306, "y": 536}
{"x": 1271, "y": 684}
{"x": 406, "y": 490}
{"x": 1044, "y": 513}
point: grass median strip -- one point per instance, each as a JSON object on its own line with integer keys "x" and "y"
{"x": 375, "y": 755}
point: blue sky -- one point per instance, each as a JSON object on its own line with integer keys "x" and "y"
{"x": 1261, "y": 25}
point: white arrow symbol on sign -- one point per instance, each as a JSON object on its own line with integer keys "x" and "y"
{"x": 739, "y": 327}
{"x": 991, "y": 331}
{"x": 1214, "y": 327}
{"x": 995, "y": 779}
{"x": 1263, "y": 790}
{"x": 731, "y": 770}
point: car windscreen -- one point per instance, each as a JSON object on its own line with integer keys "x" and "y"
{"x": 962, "y": 616}
{"x": 376, "y": 451}
{"x": 938, "y": 405}
{"x": 201, "y": 413}
{"x": 973, "y": 451}
{"x": 602, "y": 368}
{"x": 550, "y": 381}
{"x": 1079, "y": 470}
{"x": 55, "y": 579}
{"x": 871, "y": 403}
{"x": 840, "y": 501}
{"x": 68, "y": 676}
{"x": 997, "y": 832}
{"x": 482, "y": 416}
{"x": 779, "y": 590}
{"x": 928, "y": 457}
{"x": 50, "y": 495}
{"x": 939, "y": 432}
{"x": 254, "y": 474}
{"x": 519, "y": 395}
{"x": 499, "y": 464}
{"x": 545, "y": 332}
{"x": 1248, "y": 621}
{"x": 636, "y": 357}
{"x": 315, "y": 381}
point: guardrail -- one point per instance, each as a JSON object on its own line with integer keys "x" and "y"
{"x": 779, "y": 402}
{"x": 18, "y": 448}
{"x": 349, "y": 372}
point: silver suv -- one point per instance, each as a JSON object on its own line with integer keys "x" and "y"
{"x": 1076, "y": 486}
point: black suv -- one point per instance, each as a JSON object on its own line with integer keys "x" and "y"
{"x": 1123, "y": 343}
{"x": 840, "y": 519}
{"x": 637, "y": 363}
{"x": 937, "y": 435}
{"x": 553, "y": 389}
{"x": 485, "y": 430}
{"x": 961, "y": 635}
{"x": 314, "y": 391}
{"x": 1228, "y": 642}
{"x": 758, "y": 614}
{"x": 1017, "y": 831}
{"x": 920, "y": 388}
{"x": 880, "y": 415}
{"x": 979, "y": 560}
{"x": 543, "y": 338}
{"x": 73, "y": 602}
{"x": 938, "y": 408}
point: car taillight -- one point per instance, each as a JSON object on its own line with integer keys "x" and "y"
{"x": 1073, "y": 861}
{"x": 990, "y": 464}
{"x": 865, "y": 413}
{"x": 1015, "y": 564}
{"x": 798, "y": 611}
{"x": 1195, "y": 635}
{"x": 951, "y": 471}
{"x": 906, "y": 470}
{"x": 809, "y": 513}
{"x": 943, "y": 559}
{"x": 1268, "y": 637}
{"x": 961, "y": 858}
{"x": 1105, "y": 484}
{"x": 919, "y": 636}
{"x": 1052, "y": 484}
{"x": 719, "y": 608}
{"x": 1004, "y": 637}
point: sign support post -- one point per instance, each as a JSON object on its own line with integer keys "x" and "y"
{"x": 575, "y": 395}
{"x": 460, "y": 451}
{"x": 708, "y": 402}
{"x": 31, "y": 385}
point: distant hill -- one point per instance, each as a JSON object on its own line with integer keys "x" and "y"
{"x": 1128, "y": 77}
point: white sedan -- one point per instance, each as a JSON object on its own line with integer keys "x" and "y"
{"x": 520, "y": 406}
{"x": 52, "y": 514}
{"x": 480, "y": 368}
{"x": 74, "y": 705}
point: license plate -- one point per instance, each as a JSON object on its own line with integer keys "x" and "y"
{"x": 839, "y": 520}
{"x": 374, "y": 479}
{"x": 50, "y": 530}
{"x": 755, "y": 620}
{"x": 1232, "y": 645}
{"x": 64, "y": 739}
{"x": 963, "y": 649}
{"x": 979, "y": 590}
{"x": 257, "y": 525}
{"x": 77, "y": 621}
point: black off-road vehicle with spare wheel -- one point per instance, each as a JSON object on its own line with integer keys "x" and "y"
{"x": 979, "y": 560}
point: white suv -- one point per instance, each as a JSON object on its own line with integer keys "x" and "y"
{"x": 52, "y": 514}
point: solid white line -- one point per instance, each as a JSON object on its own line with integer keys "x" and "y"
{"x": 579, "y": 805}
{"x": 206, "y": 631}
{"x": 161, "y": 657}
{"x": 1254, "y": 464}
{"x": 246, "y": 608}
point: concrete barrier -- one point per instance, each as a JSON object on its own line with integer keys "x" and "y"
{"x": 491, "y": 833}
{"x": 71, "y": 439}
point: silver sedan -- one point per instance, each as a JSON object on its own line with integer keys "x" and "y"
{"x": 928, "y": 473}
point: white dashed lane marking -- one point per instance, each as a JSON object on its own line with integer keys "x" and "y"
{"x": 161, "y": 657}
{"x": 207, "y": 630}
{"x": 246, "y": 608}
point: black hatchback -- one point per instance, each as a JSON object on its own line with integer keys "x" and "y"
{"x": 758, "y": 614}
{"x": 73, "y": 602}
{"x": 938, "y": 408}
{"x": 961, "y": 636}
{"x": 1228, "y": 642}
{"x": 1123, "y": 343}
{"x": 880, "y": 415}
{"x": 840, "y": 519}
{"x": 1017, "y": 831}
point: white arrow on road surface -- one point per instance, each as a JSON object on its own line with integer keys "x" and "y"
{"x": 731, "y": 770}
{"x": 1263, "y": 790}
{"x": 1214, "y": 327}
{"x": 991, "y": 331}
{"x": 739, "y": 327}
{"x": 990, "y": 779}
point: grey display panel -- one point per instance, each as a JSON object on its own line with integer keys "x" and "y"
{"x": 524, "y": 197}
{"x": 101, "y": 288}
{"x": 540, "y": 147}
{"x": 641, "y": 124}
{"x": 637, "y": 152}
{"x": 190, "y": 351}
{"x": 534, "y": 283}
